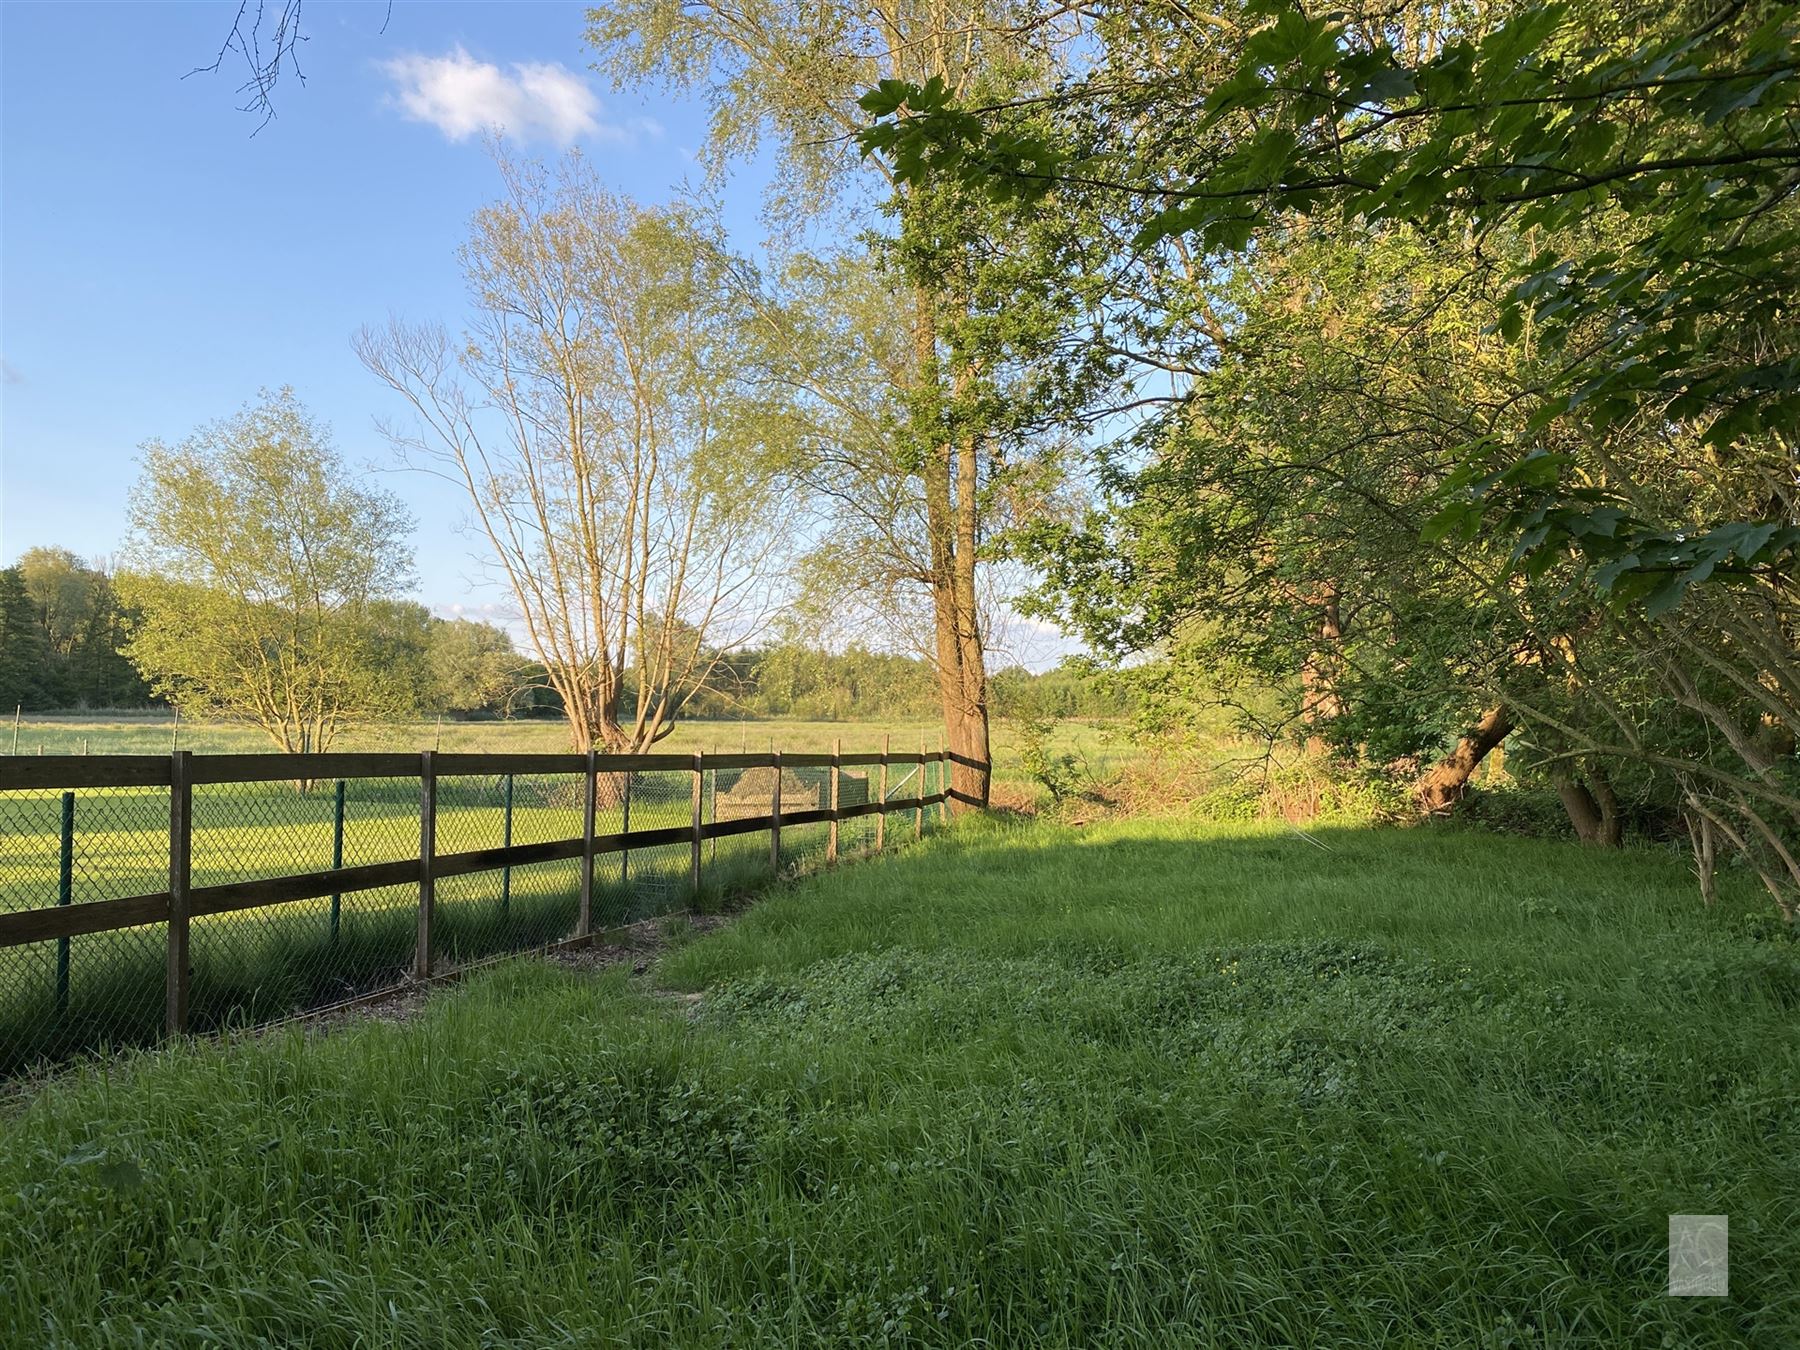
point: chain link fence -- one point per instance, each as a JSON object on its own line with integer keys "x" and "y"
{"x": 70, "y": 847}
{"x": 303, "y": 892}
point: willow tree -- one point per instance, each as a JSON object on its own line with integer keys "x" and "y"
{"x": 599, "y": 414}
{"x": 256, "y": 566}
{"x": 928, "y": 448}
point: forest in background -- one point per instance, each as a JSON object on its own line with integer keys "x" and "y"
{"x": 65, "y": 633}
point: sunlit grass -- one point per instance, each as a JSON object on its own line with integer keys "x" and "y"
{"x": 1147, "y": 1083}
{"x": 1101, "y": 746}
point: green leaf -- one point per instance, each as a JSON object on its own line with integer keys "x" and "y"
{"x": 121, "y": 1174}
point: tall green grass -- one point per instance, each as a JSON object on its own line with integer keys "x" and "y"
{"x": 1150, "y": 1083}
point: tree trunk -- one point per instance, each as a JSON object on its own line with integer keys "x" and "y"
{"x": 961, "y": 664}
{"x": 1320, "y": 700}
{"x": 1441, "y": 787}
{"x": 1592, "y": 807}
{"x": 951, "y": 483}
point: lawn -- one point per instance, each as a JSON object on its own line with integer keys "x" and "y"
{"x": 1100, "y": 746}
{"x": 1147, "y": 1083}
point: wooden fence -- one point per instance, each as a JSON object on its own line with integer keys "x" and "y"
{"x": 180, "y": 772}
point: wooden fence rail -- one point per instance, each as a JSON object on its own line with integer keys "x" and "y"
{"x": 180, "y": 772}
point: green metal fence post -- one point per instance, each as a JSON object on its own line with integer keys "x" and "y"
{"x": 625, "y": 829}
{"x": 337, "y": 855}
{"x": 65, "y": 895}
{"x": 506, "y": 831}
{"x": 590, "y": 805}
{"x": 920, "y": 793}
{"x": 699, "y": 826}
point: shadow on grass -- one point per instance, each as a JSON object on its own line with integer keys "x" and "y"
{"x": 263, "y": 966}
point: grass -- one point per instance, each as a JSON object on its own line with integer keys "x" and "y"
{"x": 1101, "y": 746}
{"x": 1149, "y": 1083}
{"x": 259, "y": 964}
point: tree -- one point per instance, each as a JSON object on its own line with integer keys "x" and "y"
{"x": 601, "y": 417}
{"x": 23, "y": 649}
{"x": 78, "y": 616}
{"x": 473, "y": 667}
{"x": 62, "y": 590}
{"x": 1649, "y": 151}
{"x": 1625, "y": 179}
{"x": 255, "y": 564}
{"x": 933, "y": 446}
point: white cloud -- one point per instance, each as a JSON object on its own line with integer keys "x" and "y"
{"x": 463, "y": 97}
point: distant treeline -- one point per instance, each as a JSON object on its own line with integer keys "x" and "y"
{"x": 856, "y": 684}
{"x": 64, "y": 639}
{"x": 62, "y": 634}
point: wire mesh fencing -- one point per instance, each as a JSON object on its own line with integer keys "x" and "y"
{"x": 144, "y": 895}
{"x": 64, "y": 848}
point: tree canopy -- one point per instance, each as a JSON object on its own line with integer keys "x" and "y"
{"x": 256, "y": 567}
{"x": 1467, "y": 377}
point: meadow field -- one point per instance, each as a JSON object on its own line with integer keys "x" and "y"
{"x": 1101, "y": 745}
{"x": 1145, "y": 1083}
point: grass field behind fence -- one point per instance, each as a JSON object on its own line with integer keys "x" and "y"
{"x": 1102, "y": 746}
{"x": 1149, "y": 1083}
{"x": 106, "y": 989}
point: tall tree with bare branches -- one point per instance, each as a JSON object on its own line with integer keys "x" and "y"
{"x": 599, "y": 414}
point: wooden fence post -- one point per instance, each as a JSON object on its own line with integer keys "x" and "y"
{"x": 775, "y": 817}
{"x": 946, "y": 775}
{"x": 831, "y": 840}
{"x": 699, "y": 822}
{"x": 422, "y": 953}
{"x": 181, "y": 861}
{"x": 881, "y": 815}
{"x": 584, "y": 917}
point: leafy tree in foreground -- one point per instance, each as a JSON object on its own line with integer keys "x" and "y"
{"x": 906, "y": 377}
{"x": 1627, "y": 175}
{"x": 255, "y": 565}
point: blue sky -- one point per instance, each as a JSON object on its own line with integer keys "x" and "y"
{"x": 159, "y": 264}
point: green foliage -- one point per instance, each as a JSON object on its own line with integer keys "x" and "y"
{"x": 1648, "y": 154}
{"x": 1001, "y": 1092}
{"x": 1032, "y": 707}
{"x": 473, "y": 667}
{"x": 791, "y": 680}
{"x": 24, "y": 649}
{"x": 257, "y": 563}
{"x": 1481, "y": 367}
{"x": 75, "y": 658}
